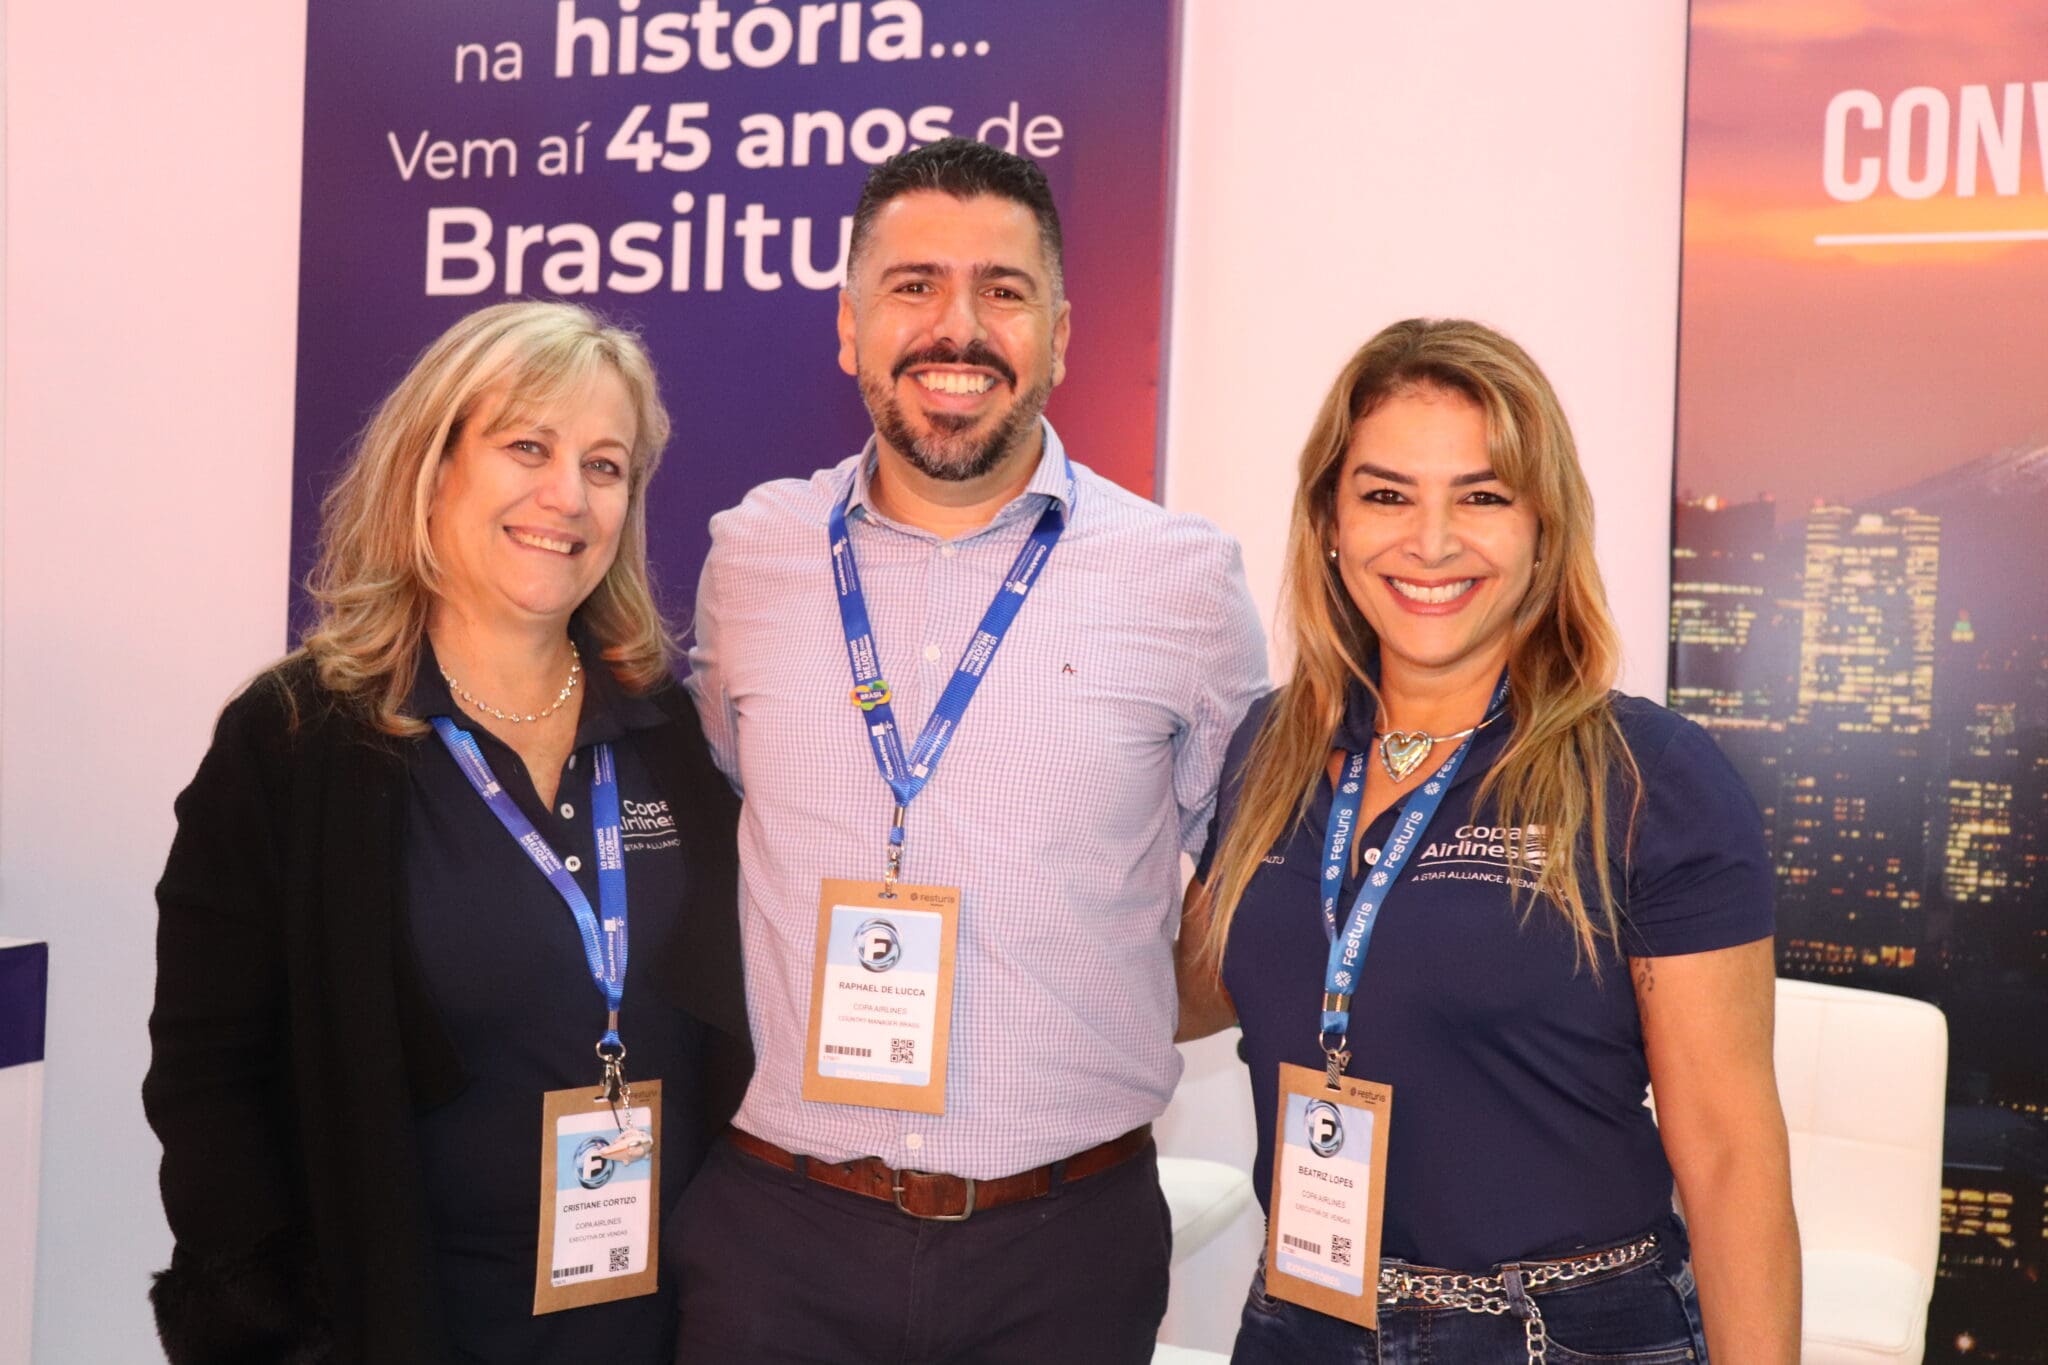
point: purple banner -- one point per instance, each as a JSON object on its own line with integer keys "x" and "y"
{"x": 688, "y": 169}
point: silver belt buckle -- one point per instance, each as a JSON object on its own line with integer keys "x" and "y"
{"x": 896, "y": 1188}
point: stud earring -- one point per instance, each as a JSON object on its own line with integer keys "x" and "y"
{"x": 1331, "y": 553}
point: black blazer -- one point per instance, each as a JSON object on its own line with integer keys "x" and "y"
{"x": 293, "y": 1040}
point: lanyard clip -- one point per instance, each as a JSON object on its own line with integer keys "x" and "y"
{"x": 1335, "y": 1059}
{"x": 893, "y": 866}
{"x": 614, "y": 1088}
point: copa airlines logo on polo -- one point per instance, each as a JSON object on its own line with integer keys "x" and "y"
{"x": 646, "y": 824}
{"x": 877, "y": 945}
{"x": 1484, "y": 851}
{"x": 1325, "y": 1128}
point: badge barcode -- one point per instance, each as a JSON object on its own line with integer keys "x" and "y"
{"x": 621, "y": 1259}
{"x": 564, "y": 1272}
{"x": 1302, "y": 1244}
{"x": 1340, "y": 1249}
{"x": 834, "y": 1050}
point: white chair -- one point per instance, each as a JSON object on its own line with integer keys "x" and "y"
{"x": 1205, "y": 1197}
{"x": 1862, "y": 1076}
{"x": 1186, "y": 1355}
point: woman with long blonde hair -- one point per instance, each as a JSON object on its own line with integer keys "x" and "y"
{"x": 440, "y": 866}
{"x": 1467, "y": 902}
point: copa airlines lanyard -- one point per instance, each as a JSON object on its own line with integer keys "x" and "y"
{"x": 907, "y": 777}
{"x": 1348, "y": 949}
{"x": 605, "y": 937}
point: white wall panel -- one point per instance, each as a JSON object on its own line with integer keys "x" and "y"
{"x": 152, "y": 195}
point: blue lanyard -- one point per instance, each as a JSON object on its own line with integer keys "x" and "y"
{"x": 1348, "y": 949}
{"x": 605, "y": 938}
{"x": 907, "y": 776}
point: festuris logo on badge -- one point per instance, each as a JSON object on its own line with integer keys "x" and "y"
{"x": 592, "y": 1170}
{"x": 1325, "y": 1127}
{"x": 877, "y": 945}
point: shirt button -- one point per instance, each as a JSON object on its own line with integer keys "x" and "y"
{"x": 948, "y": 551}
{"x": 914, "y": 1141}
{"x": 573, "y": 863}
{"x": 1372, "y": 855}
{"x": 568, "y": 811}
{"x": 931, "y": 653}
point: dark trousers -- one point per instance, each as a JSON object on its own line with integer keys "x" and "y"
{"x": 776, "y": 1269}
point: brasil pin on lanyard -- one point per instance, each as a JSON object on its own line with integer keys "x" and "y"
{"x": 882, "y": 984}
{"x": 599, "y": 1169}
{"x": 1330, "y": 1159}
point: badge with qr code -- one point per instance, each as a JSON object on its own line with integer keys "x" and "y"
{"x": 599, "y": 1198}
{"x": 882, "y": 996}
{"x": 1329, "y": 1170}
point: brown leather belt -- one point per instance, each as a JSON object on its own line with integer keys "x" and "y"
{"x": 940, "y": 1197}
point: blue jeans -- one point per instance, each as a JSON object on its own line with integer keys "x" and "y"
{"x": 1646, "y": 1314}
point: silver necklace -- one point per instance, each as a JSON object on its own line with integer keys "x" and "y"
{"x": 1402, "y": 751}
{"x": 575, "y": 673}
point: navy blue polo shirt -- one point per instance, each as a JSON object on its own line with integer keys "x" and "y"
{"x": 1519, "y": 1130}
{"x": 501, "y": 958}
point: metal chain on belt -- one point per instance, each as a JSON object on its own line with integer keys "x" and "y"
{"x": 1489, "y": 1293}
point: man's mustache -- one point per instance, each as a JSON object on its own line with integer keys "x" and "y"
{"x": 973, "y": 353}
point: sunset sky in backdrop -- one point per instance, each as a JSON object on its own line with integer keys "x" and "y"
{"x": 1812, "y": 371}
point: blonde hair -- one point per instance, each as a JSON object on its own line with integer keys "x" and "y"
{"x": 1563, "y": 657}
{"x": 376, "y": 575}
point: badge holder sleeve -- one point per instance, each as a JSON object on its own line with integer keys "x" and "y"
{"x": 557, "y": 1105}
{"x": 929, "y": 1098}
{"x": 1351, "y": 1095}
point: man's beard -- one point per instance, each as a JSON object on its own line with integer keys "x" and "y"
{"x": 951, "y": 451}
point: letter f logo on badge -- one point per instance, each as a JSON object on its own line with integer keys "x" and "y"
{"x": 877, "y": 945}
{"x": 1325, "y": 1128}
{"x": 592, "y": 1169}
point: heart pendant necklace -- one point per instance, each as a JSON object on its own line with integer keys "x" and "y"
{"x": 1402, "y": 751}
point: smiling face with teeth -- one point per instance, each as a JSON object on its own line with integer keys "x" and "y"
{"x": 954, "y": 327}
{"x": 528, "y": 505}
{"x": 1435, "y": 550}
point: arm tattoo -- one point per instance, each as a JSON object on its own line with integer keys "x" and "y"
{"x": 1645, "y": 975}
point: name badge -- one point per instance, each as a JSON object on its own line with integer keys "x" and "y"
{"x": 1329, "y": 1168}
{"x": 882, "y": 996}
{"x": 600, "y": 1198}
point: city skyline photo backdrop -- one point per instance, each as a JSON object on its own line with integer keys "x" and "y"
{"x": 1858, "y": 614}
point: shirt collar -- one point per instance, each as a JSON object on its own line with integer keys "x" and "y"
{"x": 1049, "y": 480}
{"x": 607, "y": 713}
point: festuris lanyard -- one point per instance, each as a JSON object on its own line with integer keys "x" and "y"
{"x": 1348, "y": 947}
{"x": 908, "y": 774}
{"x": 605, "y": 934}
